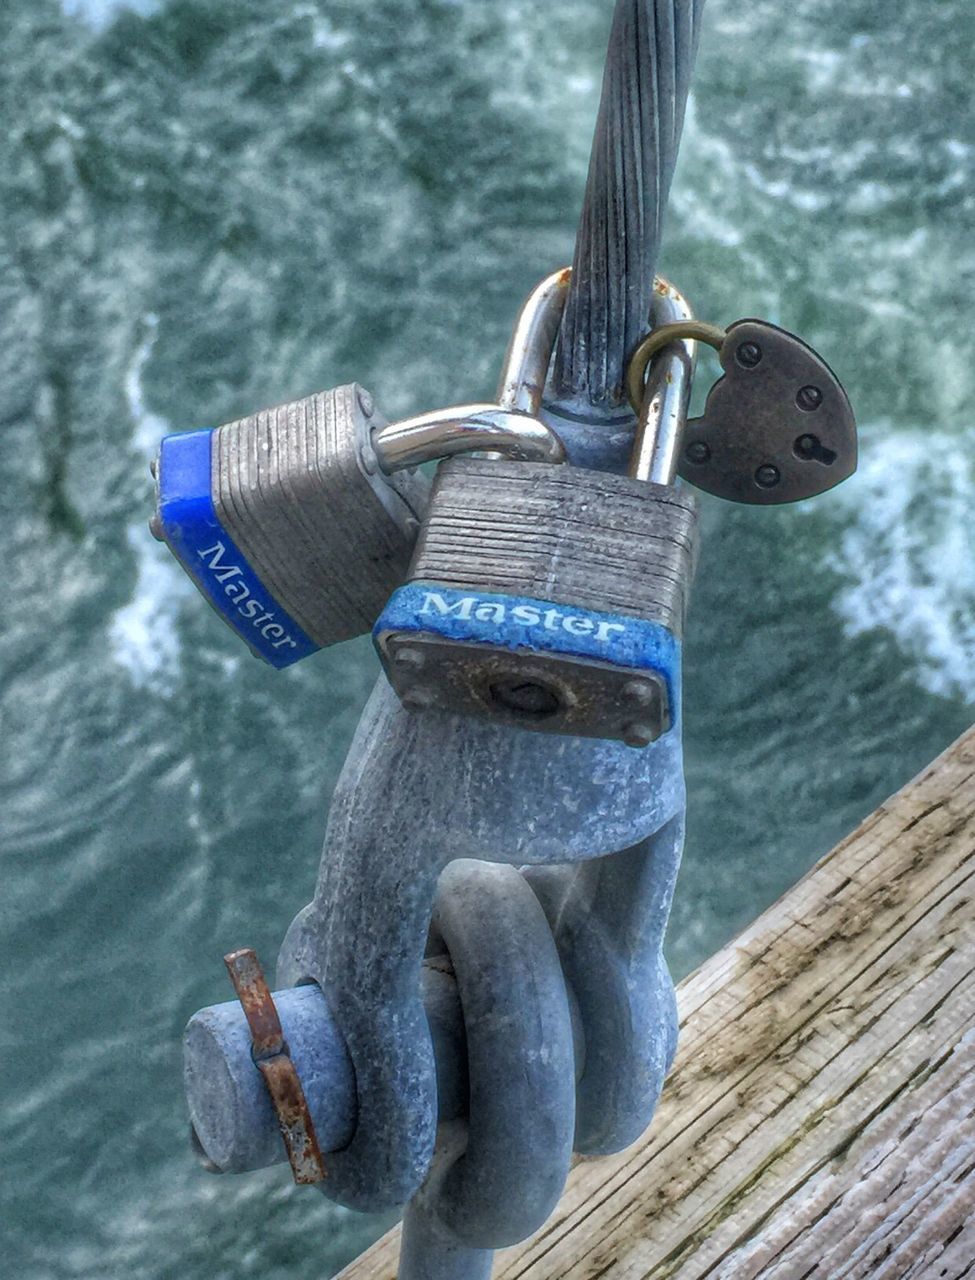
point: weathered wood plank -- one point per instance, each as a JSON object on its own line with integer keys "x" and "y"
{"x": 820, "y": 1119}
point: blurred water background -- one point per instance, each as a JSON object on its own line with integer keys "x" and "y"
{"x": 210, "y": 205}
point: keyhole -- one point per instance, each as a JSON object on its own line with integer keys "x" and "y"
{"x": 811, "y": 449}
{"x": 526, "y": 699}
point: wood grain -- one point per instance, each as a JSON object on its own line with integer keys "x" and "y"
{"x": 820, "y": 1118}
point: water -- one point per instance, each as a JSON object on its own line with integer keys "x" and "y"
{"x": 204, "y": 208}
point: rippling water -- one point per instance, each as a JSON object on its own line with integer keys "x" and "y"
{"x": 209, "y": 206}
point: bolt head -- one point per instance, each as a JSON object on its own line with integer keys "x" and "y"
{"x": 698, "y": 452}
{"x": 637, "y": 734}
{"x": 749, "y": 354}
{"x": 809, "y": 398}
{"x": 155, "y": 527}
{"x": 643, "y": 693}
{"x": 409, "y": 659}
{"x": 366, "y": 402}
{"x": 417, "y": 700}
{"x": 767, "y": 476}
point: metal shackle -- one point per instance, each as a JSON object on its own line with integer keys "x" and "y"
{"x": 510, "y": 427}
{"x": 662, "y": 399}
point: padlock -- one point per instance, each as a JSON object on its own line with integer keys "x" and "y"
{"x": 296, "y": 523}
{"x": 777, "y": 427}
{"x": 286, "y": 525}
{"x": 552, "y": 598}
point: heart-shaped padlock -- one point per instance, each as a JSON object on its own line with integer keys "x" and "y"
{"x": 778, "y": 427}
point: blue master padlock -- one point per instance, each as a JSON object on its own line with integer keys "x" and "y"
{"x": 286, "y": 523}
{"x": 553, "y": 597}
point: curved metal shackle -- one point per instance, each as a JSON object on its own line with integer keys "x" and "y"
{"x": 510, "y": 427}
{"x": 662, "y": 401}
{"x": 530, "y": 349}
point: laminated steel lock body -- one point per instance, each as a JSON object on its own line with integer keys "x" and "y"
{"x": 285, "y": 524}
{"x": 552, "y": 598}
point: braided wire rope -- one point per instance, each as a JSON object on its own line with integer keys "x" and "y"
{"x": 652, "y": 48}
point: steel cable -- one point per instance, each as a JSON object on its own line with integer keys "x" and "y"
{"x": 652, "y": 47}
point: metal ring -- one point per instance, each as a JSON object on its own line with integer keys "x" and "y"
{"x": 521, "y": 1060}
{"x": 654, "y": 343}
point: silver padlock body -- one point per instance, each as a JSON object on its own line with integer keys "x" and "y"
{"x": 547, "y": 597}
{"x": 283, "y": 519}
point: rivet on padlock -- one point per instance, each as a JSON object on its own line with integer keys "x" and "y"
{"x": 777, "y": 427}
{"x": 553, "y": 598}
{"x": 296, "y": 523}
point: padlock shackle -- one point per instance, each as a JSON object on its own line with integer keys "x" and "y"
{"x": 666, "y": 398}
{"x": 466, "y": 428}
{"x": 509, "y": 428}
{"x": 529, "y": 354}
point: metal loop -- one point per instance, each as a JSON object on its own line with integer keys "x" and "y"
{"x": 510, "y": 427}
{"x": 529, "y": 354}
{"x": 467, "y": 428}
{"x": 608, "y": 919}
{"x": 667, "y": 393}
{"x": 656, "y": 341}
{"x": 521, "y": 1060}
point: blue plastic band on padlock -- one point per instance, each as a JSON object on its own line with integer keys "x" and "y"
{"x": 521, "y": 622}
{"x": 211, "y": 557}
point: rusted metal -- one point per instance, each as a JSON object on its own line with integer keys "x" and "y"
{"x": 272, "y": 1059}
{"x": 255, "y": 997}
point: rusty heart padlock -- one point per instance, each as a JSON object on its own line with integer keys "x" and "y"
{"x": 777, "y": 427}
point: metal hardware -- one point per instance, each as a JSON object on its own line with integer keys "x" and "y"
{"x": 553, "y": 599}
{"x": 660, "y": 337}
{"x": 777, "y": 427}
{"x": 511, "y": 427}
{"x": 283, "y": 524}
{"x": 296, "y": 523}
{"x": 466, "y": 428}
{"x": 663, "y": 403}
{"x": 272, "y": 1059}
{"x": 419, "y": 791}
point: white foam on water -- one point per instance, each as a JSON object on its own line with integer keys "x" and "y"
{"x": 99, "y": 13}
{"x": 149, "y": 427}
{"x": 908, "y": 550}
{"x": 143, "y": 635}
{"x": 324, "y": 34}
